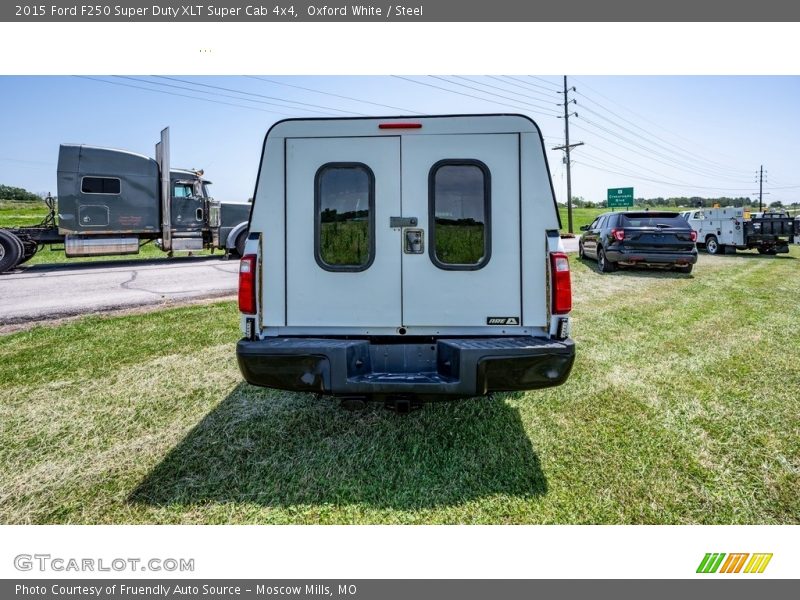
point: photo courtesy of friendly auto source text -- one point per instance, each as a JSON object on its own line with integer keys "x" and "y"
{"x": 243, "y": 292}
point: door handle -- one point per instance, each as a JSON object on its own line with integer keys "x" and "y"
{"x": 414, "y": 241}
{"x": 403, "y": 221}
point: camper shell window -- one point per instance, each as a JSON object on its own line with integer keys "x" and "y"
{"x": 100, "y": 185}
{"x": 459, "y": 206}
{"x": 344, "y": 206}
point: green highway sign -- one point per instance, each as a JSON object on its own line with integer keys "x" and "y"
{"x": 620, "y": 197}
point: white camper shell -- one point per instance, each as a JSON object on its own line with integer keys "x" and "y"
{"x": 397, "y": 257}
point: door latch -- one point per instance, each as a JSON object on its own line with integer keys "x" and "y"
{"x": 403, "y": 221}
{"x": 414, "y": 241}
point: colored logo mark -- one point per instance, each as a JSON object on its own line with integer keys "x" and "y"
{"x": 717, "y": 562}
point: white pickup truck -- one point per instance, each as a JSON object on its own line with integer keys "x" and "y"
{"x": 402, "y": 259}
{"x": 729, "y": 229}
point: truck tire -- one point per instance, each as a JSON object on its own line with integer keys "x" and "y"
{"x": 713, "y": 246}
{"x": 603, "y": 264}
{"x": 29, "y": 250}
{"x": 11, "y": 251}
{"x": 241, "y": 239}
{"x": 581, "y": 253}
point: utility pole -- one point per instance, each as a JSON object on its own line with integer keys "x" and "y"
{"x": 760, "y": 187}
{"x": 566, "y": 148}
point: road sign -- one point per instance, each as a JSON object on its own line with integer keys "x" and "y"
{"x": 620, "y": 197}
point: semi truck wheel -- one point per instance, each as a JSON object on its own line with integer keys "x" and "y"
{"x": 28, "y": 253}
{"x": 241, "y": 239}
{"x": 712, "y": 245}
{"x": 11, "y": 250}
{"x": 29, "y": 248}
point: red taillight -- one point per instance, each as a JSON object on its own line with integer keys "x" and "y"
{"x": 693, "y": 236}
{"x": 247, "y": 284}
{"x": 618, "y": 234}
{"x": 400, "y": 126}
{"x": 560, "y": 283}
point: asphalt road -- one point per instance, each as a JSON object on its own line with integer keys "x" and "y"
{"x": 44, "y": 292}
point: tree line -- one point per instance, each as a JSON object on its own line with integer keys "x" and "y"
{"x": 688, "y": 201}
{"x": 17, "y": 194}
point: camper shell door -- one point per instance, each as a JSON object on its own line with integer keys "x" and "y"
{"x": 412, "y": 231}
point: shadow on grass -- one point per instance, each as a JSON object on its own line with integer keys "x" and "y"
{"x": 282, "y": 449}
{"x": 647, "y": 272}
{"x": 753, "y": 254}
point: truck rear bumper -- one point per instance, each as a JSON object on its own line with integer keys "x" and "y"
{"x": 445, "y": 367}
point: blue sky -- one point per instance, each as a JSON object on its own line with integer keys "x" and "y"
{"x": 663, "y": 135}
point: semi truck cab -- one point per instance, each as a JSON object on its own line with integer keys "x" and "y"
{"x": 111, "y": 201}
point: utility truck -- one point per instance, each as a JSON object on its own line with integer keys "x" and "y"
{"x": 725, "y": 230}
{"x": 403, "y": 259}
{"x": 110, "y": 202}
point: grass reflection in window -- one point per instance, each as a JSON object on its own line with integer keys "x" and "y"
{"x": 460, "y": 206}
{"x": 345, "y": 196}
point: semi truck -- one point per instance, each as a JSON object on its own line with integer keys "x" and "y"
{"x": 111, "y": 202}
{"x": 405, "y": 259}
{"x": 725, "y": 230}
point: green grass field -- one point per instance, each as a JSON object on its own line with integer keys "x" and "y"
{"x": 683, "y": 407}
{"x": 18, "y": 214}
{"x": 14, "y": 214}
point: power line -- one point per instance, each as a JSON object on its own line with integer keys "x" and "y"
{"x": 26, "y": 162}
{"x": 684, "y": 185}
{"x": 299, "y": 87}
{"x": 217, "y": 87}
{"x": 138, "y": 87}
{"x": 616, "y": 143}
{"x": 712, "y": 165}
{"x": 633, "y": 164}
{"x": 438, "y": 87}
{"x": 707, "y": 170}
{"x": 609, "y": 166}
{"x": 504, "y": 79}
{"x": 170, "y": 85}
{"x": 671, "y": 132}
{"x": 555, "y": 85}
{"x": 681, "y": 164}
{"x": 543, "y": 106}
{"x": 489, "y": 93}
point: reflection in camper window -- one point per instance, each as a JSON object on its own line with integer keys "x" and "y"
{"x": 100, "y": 185}
{"x": 344, "y": 201}
{"x": 460, "y": 207}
